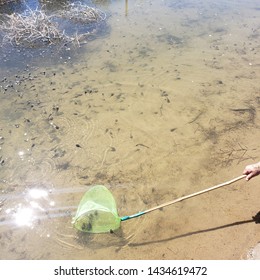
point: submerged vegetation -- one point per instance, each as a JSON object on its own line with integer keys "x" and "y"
{"x": 36, "y": 28}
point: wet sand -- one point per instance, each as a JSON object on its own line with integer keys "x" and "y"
{"x": 165, "y": 105}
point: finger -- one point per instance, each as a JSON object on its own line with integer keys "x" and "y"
{"x": 246, "y": 172}
{"x": 249, "y": 176}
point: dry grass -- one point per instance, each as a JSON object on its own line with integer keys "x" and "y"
{"x": 32, "y": 29}
{"x": 35, "y": 28}
{"x": 80, "y": 13}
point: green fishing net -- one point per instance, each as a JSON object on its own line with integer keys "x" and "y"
{"x": 97, "y": 211}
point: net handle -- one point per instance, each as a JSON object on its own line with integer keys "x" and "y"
{"x": 183, "y": 198}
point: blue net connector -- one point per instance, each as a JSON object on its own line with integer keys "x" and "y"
{"x": 132, "y": 216}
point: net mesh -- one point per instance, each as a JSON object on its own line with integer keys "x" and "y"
{"x": 97, "y": 211}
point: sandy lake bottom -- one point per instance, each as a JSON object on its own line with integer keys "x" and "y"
{"x": 166, "y": 103}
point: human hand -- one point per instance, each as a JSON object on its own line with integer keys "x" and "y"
{"x": 252, "y": 170}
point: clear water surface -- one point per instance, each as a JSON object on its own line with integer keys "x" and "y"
{"x": 162, "y": 102}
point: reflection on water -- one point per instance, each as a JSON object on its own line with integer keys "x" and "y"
{"x": 30, "y": 207}
{"x": 164, "y": 104}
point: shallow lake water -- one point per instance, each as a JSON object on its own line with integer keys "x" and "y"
{"x": 165, "y": 102}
